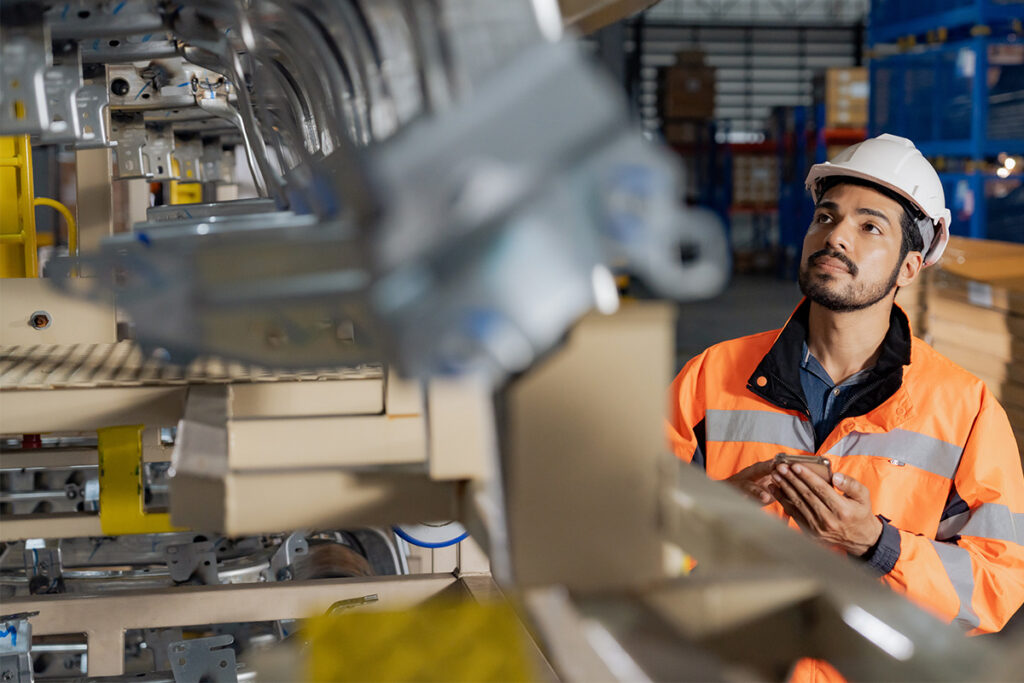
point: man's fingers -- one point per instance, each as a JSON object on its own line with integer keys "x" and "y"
{"x": 852, "y": 488}
{"x": 759, "y": 469}
{"x": 788, "y": 507}
{"x": 821, "y": 488}
{"x": 815, "y": 506}
{"x": 758, "y": 493}
{"x": 792, "y": 498}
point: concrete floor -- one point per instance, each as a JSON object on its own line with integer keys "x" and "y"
{"x": 751, "y": 304}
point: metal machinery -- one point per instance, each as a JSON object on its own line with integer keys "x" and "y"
{"x": 395, "y": 331}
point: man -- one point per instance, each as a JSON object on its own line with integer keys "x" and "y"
{"x": 927, "y": 487}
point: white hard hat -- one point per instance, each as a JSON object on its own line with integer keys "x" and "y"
{"x": 895, "y": 163}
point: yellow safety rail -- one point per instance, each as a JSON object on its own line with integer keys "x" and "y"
{"x": 18, "y": 256}
{"x": 18, "y": 240}
{"x": 122, "y": 485}
{"x": 68, "y": 218}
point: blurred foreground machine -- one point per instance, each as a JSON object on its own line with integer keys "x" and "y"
{"x": 397, "y": 330}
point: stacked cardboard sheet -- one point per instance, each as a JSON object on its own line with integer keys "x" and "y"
{"x": 913, "y": 301}
{"x": 975, "y": 317}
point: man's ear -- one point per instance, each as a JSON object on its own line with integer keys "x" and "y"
{"x": 912, "y": 264}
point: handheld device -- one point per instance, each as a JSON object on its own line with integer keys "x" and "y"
{"x": 816, "y": 463}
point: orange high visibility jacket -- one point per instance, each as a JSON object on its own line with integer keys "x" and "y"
{"x": 926, "y": 437}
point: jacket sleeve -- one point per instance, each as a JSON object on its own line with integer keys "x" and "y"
{"x": 972, "y": 572}
{"x": 685, "y": 424}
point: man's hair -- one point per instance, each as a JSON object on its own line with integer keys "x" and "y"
{"x": 912, "y": 240}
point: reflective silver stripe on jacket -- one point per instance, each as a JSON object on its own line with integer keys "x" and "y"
{"x": 957, "y": 563}
{"x": 994, "y": 520}
{"x": 922, "y": 451}
{"x": 759, "y": 426}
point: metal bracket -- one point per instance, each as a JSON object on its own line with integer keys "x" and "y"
{"x": 157, "y": 152}
{"x": 158, "y": 641}
{"x": 45, "y": 570}
{"x": 129, "y": 133}
{"x": 92, "y": 100}
{"x": 218, "y": 163}
{"x": 186, "y": 559}
{"x": 15, "y": 647}
{"x": 281, "y": 562}
{"x": 24, "y": 56}
{"x": 203, "y": 659}
{"x": 188, "y": 152}
{"x": 122, "y": 501}
{"x": 61, "y": 86}
{"x": 89, "y": 19}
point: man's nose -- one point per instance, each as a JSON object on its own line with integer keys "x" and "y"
{"x": 840, "y": 237}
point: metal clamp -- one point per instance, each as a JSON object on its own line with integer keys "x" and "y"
{"x": 15, "y": 647}
{"x": 203, "y": 659}
{"x": 158, "y": 641}
{"x": 281, "y": 562}
{"x": 122, "y": 501}
{"x": 186, "y": 559}
{"x": 45, "y": 570}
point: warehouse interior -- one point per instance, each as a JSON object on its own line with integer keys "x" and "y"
{"x": 335, "y": 335}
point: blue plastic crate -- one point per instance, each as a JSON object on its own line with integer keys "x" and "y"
{"x": 893, "y": 19}
{"x": 963, "y": 99}
{"x": 985, "y": 206}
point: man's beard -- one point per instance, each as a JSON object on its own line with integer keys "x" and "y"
{"x": 852, "y": 298}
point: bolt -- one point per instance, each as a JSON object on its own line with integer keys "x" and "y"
{"x": 276, "y": 337}
{"x": 119, "y": 87}
{"x": 40, "y": 320}
{"x": 8, "y": 675}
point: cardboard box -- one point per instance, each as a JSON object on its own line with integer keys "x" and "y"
{"x": 913, "y": 301}
{"x": 755, "y": 180}
{"x": 975, "y": 316}
{"x": 687, "y": 132}
{"x": 983, "y": 273}
{"x": 688, "y": 92}
{"x": 846, "y": 97}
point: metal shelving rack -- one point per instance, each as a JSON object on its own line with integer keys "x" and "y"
{"x": 963, "y": 109}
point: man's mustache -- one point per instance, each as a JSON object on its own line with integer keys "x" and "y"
{"x": 839, "y": 256}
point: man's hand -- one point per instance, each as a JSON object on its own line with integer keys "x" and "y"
{"x": 754, "y": 481}
{"x": 843, "y": 520}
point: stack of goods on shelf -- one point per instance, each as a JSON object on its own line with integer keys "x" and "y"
{"x": 955, "y": 86}
{"x": 975, "y": 316}
{"x": 755, "y": 180}
{"x": 913, "y": 301}
{"x": 687, "y": 90}
{"x": 844, "y": 92}
{"x": 686, "y": 105}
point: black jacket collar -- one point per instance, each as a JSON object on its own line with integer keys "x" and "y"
{"x": 777, "y": 376}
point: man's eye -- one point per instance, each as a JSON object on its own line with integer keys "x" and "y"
{"x": 824, "y": 218}
{"x": 871, "y": 227}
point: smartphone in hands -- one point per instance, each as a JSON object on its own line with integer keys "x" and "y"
{"x": 815, "y": 463}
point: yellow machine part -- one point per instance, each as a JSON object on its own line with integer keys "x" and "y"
{"x": 18, "y": 256}
{"x": 18, "y": 239}
{"x": 184, "y": 192}
{"x": 122, "y": 489}
{"x": 436, "y": 641}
